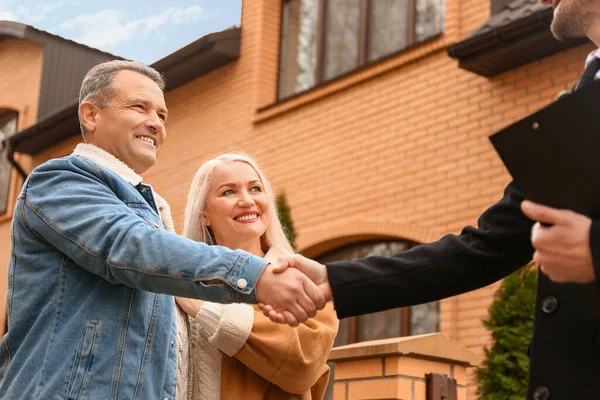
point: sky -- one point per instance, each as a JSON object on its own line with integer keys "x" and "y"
{"x": 140, "y": 30}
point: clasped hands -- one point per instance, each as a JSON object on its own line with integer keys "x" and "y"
{"x": 293, "y": 290}
{"x": 290, "y": 292}
{"x": 561, "y": 239}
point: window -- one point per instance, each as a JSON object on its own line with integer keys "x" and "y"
{"x": 8, "y": 127}
{"x": 324, "y": 39}
{"x": 415, "y": 320}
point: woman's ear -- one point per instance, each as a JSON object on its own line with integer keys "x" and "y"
{"x": 89, "y": 115}
{"x": 206, "y": 220}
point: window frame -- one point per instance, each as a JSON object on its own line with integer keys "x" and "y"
{"x": 363, "y": 43}
{"x": 405, "y": 324}
{"x": 354, "y": 326}
{"x": 10, "y": 179}
{"x": 406, "y": 313}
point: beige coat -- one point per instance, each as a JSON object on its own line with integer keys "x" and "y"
{"x": 280, "y": 362}
{"x": 238, "y": 353}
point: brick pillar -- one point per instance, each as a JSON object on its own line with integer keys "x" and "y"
{"x": 396, "y": 368}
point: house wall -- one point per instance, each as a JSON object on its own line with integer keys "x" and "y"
{"x": 396, "y": 150}
{"x": 21, "y": 66}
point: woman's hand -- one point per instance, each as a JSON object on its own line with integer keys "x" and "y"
{"x": 190, "y": 306}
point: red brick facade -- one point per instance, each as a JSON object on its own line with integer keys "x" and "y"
{"x": 395, "y": 150}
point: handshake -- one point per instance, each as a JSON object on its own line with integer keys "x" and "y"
{"x": 294, "y": 290}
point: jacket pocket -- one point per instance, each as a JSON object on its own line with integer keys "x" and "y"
{"x": 82, "y": 361}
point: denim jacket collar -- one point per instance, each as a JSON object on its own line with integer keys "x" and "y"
{"x": 107, "y": 160}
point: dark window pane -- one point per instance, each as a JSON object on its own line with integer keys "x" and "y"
{"x": 425, "y": 318}
{"x": 429, "y": 19}
{"x": 341, "y": 37}
{"x": 385, "y": 324}
{"x": 391, "y": 26}
{"x": 365, "y": 249}
{"x": 8, "y": 127}
{"x": 299, "y": 36}
{"x": 381, "y": 325}
{"x": 388, "y": 27}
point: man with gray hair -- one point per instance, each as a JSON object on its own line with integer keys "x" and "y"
{"x": 92, "y": 248}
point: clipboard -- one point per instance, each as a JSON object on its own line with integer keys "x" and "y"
{"x": 553, "y": 155}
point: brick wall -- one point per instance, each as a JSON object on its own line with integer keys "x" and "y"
{"x": 391, "y": 378}
{"x": 399, "y": 149}
{"x": 21, "y": 71}
{"x": 397, "y": 368}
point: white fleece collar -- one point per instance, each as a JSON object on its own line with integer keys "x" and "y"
{"x": 109, "y": 161}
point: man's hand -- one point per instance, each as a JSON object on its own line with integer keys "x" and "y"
{"x": 312, "y": 269}
{"x": 291, "y": 295}
{"x": 190, "y": 306}
{"x": 562, "y": 250}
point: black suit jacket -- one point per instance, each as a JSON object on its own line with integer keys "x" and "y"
{"x": 565, "y": 351}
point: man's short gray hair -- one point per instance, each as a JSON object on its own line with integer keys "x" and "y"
{"x": 99, "y": 85}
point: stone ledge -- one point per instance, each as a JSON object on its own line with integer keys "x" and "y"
{"x": 432, "y": 346}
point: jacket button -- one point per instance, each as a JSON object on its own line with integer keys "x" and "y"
{"x": 242, "y": 283}
{"x": 549, "y": 304}
{"x": 541, "y": 393}
{"x": 143, "y": 189}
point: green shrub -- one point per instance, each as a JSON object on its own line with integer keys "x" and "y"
{"x": 286, "y": 219}
{"x": 505, "y": 370}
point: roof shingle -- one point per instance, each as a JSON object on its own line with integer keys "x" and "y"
{"x": 513, "y": 11}
{"x": 515, "y": 35}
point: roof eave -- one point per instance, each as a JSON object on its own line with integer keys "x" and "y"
{"x": 198, "y": 58}
{"x": 62, "y": 124}
{"x": 510, "y": 46}
{"x": 18, "y": 30}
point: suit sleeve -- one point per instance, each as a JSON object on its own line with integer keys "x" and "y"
{"x": 595, "y": 247}
{"x": 455, "y": 264}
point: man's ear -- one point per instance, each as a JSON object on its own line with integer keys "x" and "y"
{"x": 89, "y": 115}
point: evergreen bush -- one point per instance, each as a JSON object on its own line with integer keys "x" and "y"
{"x": 286, "y": 219}
{"x": 505, "y": 370}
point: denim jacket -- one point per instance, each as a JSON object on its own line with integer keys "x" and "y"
{"x": 92, "y": 272}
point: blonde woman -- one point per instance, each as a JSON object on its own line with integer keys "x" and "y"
{"x": 235, "y": 351}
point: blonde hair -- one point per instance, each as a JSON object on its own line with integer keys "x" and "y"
{"x": 194, "y": 226}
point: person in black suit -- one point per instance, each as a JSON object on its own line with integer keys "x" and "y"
{"x": 565, "y": 349}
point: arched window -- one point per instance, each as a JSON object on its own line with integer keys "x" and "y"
{"x": 8, "y": 127}
{"x": 415, "y": 320}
